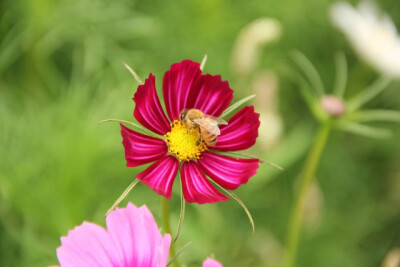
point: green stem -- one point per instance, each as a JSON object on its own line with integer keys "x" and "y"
{"x": 167, "y": 227}
{"x": 307, "y": 176}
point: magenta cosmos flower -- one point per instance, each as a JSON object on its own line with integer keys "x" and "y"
{"x": 132, "y": 238}
{"x": 185, "y": 87}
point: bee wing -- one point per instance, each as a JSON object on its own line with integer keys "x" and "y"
{"x": 208, "y": 124}
{"x": 216, "y": 119}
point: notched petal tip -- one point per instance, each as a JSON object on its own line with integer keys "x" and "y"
{"x": 160, "y": 175}
{"x": 241, "y": 132}
{"x": 214, "y": 96}
{"x": 196, "y": 187}
{"x": 181, "y": 85}
{"x": 226, "y": 171}
{"x": 148, "y": 110}
{"x": 141, "y": 149}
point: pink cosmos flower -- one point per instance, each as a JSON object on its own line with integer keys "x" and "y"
{"x": 185, "y": 87}
{"x": 211, "y": 263}
{"x": 132, "y": 238}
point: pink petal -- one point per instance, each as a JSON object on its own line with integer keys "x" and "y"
{"x": 148, "y": 110}
{"x": 132, "y": 239}
{"x": 136, "y": 236}
{"x": 181, "y": 85}
{"x": 160, "y": 175}
{"x": 241, "y": 131}
{"x": 196, "y": 187}
{"x": 211, "y": 263}
{"x": 141, "y": 149}
{"x": 88, "y": 245}
{"x": 214, "y": 96}
{"x": 226, "y": 171}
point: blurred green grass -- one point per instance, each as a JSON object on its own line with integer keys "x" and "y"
{"x": 61, "y": 73}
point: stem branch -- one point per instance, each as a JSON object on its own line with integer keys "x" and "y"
{"x": 306, "y": 179}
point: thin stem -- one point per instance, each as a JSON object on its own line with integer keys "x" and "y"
{"x": 167, "y": 226}
{"x": 307, "y": 176}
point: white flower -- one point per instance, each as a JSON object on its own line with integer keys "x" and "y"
{"x": 372, "y": 34}
{"x": 250, "y": 41}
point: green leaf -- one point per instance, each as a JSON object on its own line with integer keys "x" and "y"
{"x": 123, "y": 196}
{"x": 203, "y": 62}
{"x": 236, "y": 105}
{"x": 310, "y": 71}
{"x": 341, "y": 75}
{"x": 177, "y": 254}
{"x": 376, "y": 115}
{"x": 368, "y": 94}
{"x": 137, "y": 126}
{"x": 235, "y": 197}
{"x": 137, "y": 78}
{"x": 181, "y": 215}
{"x": 363, "y": 130}
{"x": 235, "y": 155}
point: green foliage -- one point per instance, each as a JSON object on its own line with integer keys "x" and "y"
{"x": 61, "y": 73}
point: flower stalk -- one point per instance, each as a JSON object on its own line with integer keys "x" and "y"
{"x": 296, "y": 217}
{"x": 167, "y": 226}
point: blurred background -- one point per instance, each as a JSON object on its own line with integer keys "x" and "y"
{"x": 61, "y": 72}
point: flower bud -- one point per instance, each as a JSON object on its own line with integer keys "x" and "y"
{"x": 333, "y": 105}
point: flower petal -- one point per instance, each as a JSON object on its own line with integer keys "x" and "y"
{"x": 87, "y": 245}
{"x": 241, "y": 131}
{"x": 226, "y": 171}
{"x": 211, "y": 263}
{"x": 196, "y": 187}
{"x": 136, "y": 236}
{"x": 148, "y": 110}
{"x": 214, "y": 95}
{"x": 141, "y": 149}
{"x": 181, "y": 85}
{"x": 160, "y": 175}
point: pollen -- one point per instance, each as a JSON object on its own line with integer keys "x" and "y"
{"x": 182, "y": 143}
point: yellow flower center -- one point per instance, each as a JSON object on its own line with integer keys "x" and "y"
{"x": 182, "y": 143}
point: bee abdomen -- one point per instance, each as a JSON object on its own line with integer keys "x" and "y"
{"x": 213, "y": 141}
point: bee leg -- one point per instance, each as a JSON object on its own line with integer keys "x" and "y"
{"x": 200, "y": 138}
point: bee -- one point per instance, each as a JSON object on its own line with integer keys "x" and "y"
{"x": 207, "y": 125}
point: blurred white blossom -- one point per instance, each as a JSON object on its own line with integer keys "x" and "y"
{"x": 392, "y": 259}
{"x": 250, "y": 41}
{"x": 265, "y": 86}
{"x": 372, "y": 34}
{"x": 313, "y": 206}
{"x": 268, "y": 248}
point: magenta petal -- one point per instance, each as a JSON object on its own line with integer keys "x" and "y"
{"x": 148, "y": 110}
{"x": 241, "y": 131}
{"x": 137, "y": 238}
{"x": 211, "y": 263}
{"x": 196, "y": 187}
{"x": 141, "y": 149}
{"x": 88, "y": 245}
{"x": 181, "y": 84}
{"x": 214, "y": 95}
{"x": 160, "y": 175}
{"x": 226, "y": 171}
